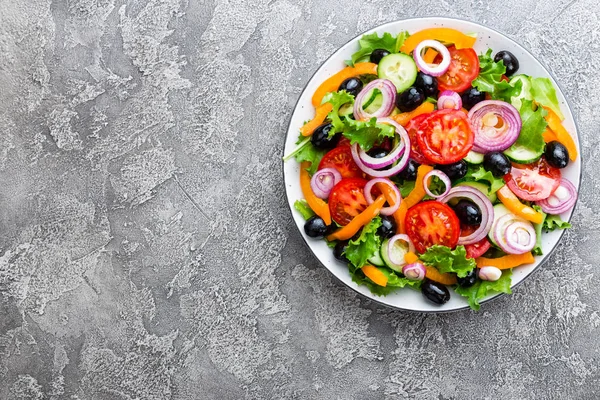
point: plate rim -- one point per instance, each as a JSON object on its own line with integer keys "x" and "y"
{"x": 515, "y": 43}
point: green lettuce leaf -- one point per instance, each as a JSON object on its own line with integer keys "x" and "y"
{"x": 447, "y": 260}
{"x": 537, "y": 250}
{"x": 553, "y": 222}
{"x": 489, "y": 79}
{"x": 394, "y": 282}
{"x": 365, "y": 246}
{"x": 304, "y": 209}
{"x": 534, "y": 124}
{"x": 482, "y": 289}
{"x": 478, "y": 173}
{"x": 307, "y": 152}
{"x": 366, "y": 133}
{"x": 543, "y": 92}
{"x": 337, "y": 100}
{"x": 368, "y": 43}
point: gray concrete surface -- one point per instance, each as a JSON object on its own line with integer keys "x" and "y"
{"x": 146, "y": 249}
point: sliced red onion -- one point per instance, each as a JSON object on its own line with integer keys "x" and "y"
{"x": 323, "y": 181}
{"x": 392, "y": 243}
{"x": 432, "y": 69}
{"x": 369, "y": 197}
{"x": 388, "y": 91}
{"x": 415, "y": 271}
{"x": 449, "y": 99}
{"x": 496, "y": 125}
{"x": 514, "y": 235}
{"x": 561, "y": 200}
{"x": 382, "y": 162}
{"x": 399, "y": 166}
{"x": 489, "y": 273}
{"x": 481, "y": 201}
{"x": 443, "y": 177}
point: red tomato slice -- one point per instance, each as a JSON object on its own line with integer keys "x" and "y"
{"x": 347, "y": 200}
{"x": 445, "y": 136}
{"x": 432, "y": 222}
{"x": 478, "y": 249}
{"x": 464, "y": 67}
{"x": 344, "y": 141}
{"x": 533, "y": 182}
{"x": 411, "y": 129}
{"x": 341, "y": 159}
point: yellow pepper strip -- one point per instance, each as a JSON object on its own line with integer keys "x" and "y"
{"x": 430, "y": 55}
{"x": 506, "y": 262}
{"x": 410, "y": 257}
{"x": 374, "y": 274}
{"x": 512, "y": 202}
{"x": 443, "y": 278}
{"x": 404, "y": 118}
{"x": 447, "y": 35}
{"x": 333, "y": 83}
{"x": 562, "y": 135}
{"x": 320, "y": 115}
{"x": 320, "y": 207}
{"x": 359, "y": 221}
{"x": 415, "y": 196}
{"x": 549, "y": 135}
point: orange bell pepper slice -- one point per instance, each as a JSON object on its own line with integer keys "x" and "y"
{"x": 447, "y": 35}
{"x": 562, "y": 135}
{"x": 549, "y": 135}
{"x": 506, "y": 262}
{"x": 404, "y": 118}
{"x": 512, "y": 202}
{"x": 374, "y": 274}
{"x": 359, "y": 221}
{"x": 443, "y": 278}
{"x": 333, "y": 82}
{"x": 410, "y": 257}
{"x": 415, "y": 196}
{"x": 320, "y": 207}
{"x": 430, "y": 55}
{"x": 320, "y": 115}
{"x": 390, "y": 196}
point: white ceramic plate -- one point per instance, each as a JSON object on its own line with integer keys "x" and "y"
{"x": 408, "y": 299}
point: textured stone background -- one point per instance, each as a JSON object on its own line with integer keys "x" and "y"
{"x": 146, "y": 247}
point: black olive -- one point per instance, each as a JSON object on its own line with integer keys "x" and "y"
{"x": 509, "y": 60}
{"x": 467, "y": 212}
{"x": 352, "y": 86}
{"x": 320, "y": 137}
{"x": 556, "y": 154}
{"x": 454, "y": 171}
{"x": 435, "y": 292}
{"x": 377, "y": 55}
{"x": 497, "y": 163}
{"x": 339, "y": 249}
{"x": 387, "y": 228}
{"x": 428, "y": 84}
{"x": 409, "y": 173}
{"x": 315, "y": 227}
{"x": 471, "y": 96}
{"x": 378, "y": 152}
{"x": 468, "y": 280}
{"x": 410, "y": 99}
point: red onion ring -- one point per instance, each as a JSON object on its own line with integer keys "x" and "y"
{"x": 369, "y": 197}
{"x": 483, "y": 118}
{"x": 443, "y": 177}
{"x": 400, "y": 165}
{"x": 432, "y": 69}
{"x": 561, "y": 200}
{"x": 449, "y": 99}
{"x": 391, "y": 244}
{"x": 382, "y": 162}
{"x": 388, "y": 91}
{"x": 481, "y": 201}
{"x": 514, "y": 235}
{"x": 323, "y": 181}
{"x": 415, "y": 271}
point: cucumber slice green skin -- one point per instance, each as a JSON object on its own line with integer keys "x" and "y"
{"x": 376, "y": 260}
{"x": 386, "y": 258}
{"x": 500, "y": 210}
{"x": 398, "y": 68}
{"x": 474, "y": 158}
{"x": 522, "y": 155}
{"x": 374, "y": 104}
{"x": 483, "y": 188}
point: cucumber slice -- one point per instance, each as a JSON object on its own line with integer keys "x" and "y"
{"x": 483, "y": 188}
{"x": 398, "y": 68}
{"x": 376, "y": 259}
{"x": 400, "y": 249}
{"x": 500, "y": 210}
{"x": 474, "y": 158}
{"x": 346, "y": 110}
{"x": 375, "y": 104}
{"x": 522, "y": 155}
